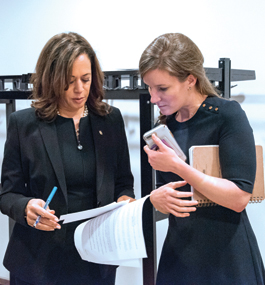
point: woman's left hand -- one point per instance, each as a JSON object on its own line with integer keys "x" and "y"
{"x": 168, "y": 200}
{"x": 164, "y": 159}
{"x": 125, "y": 198}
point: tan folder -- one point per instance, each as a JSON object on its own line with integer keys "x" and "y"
{"x": 206, "y": 159}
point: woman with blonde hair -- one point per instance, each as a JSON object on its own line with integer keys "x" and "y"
{"x": 204, "y": 245}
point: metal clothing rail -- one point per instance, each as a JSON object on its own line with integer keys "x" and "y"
{"x": 127, "y": 85}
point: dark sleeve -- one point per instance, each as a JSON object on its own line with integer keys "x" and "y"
{"x": 13, "y": 193}
{"x": 237, "y": 148}
{"x": 123, "y": 177}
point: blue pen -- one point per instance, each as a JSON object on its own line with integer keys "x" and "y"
{"x": 46, "y": 204}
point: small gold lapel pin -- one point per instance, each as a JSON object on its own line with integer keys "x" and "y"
{"x": 101, "y": 133}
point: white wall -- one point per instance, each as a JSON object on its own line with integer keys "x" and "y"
{"x": 119, "y": 31}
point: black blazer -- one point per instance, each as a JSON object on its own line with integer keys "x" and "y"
{"x": 32, "y": 166}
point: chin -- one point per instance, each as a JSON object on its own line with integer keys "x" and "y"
{"x": 166, "y": 112}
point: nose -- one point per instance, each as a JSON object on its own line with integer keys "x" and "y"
{"x": 154, "y": 96}
{"x": 78, "y": 86}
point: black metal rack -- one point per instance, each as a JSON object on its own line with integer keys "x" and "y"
{"x": 135, "y": 89}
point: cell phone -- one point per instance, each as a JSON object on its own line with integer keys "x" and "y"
{"x": 163, "y": 132}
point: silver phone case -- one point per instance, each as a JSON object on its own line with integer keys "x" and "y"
{"x": 166, "y": 137}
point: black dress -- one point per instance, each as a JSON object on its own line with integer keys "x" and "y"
{"x": 80, "y": 173}
{"x": 215, "y": 245}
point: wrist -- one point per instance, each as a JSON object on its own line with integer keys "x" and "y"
{"x": 178, "y": 165}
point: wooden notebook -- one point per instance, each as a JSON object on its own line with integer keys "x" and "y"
{"x": 206, "y": 159}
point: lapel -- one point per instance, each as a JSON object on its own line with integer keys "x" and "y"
{"x": 49, "y": 136}
{"x": 99, "y": 130}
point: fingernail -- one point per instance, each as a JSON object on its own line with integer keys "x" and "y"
{"x": 58, "y": 227}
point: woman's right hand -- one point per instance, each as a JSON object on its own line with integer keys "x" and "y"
{"x": 167, "y": 200}
{"x": 47, "y": 222}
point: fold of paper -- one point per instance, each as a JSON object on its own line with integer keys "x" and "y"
{"x": 69, "y": 218}
{"x": 127, "y": 263}
{"x": 115, "y": 237}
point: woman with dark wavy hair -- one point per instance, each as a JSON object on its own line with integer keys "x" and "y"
{"x": 212, "y": 244}
{"x": 71, "y": 139}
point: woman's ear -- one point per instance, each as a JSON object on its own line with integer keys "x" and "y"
{"x": 191, "y": 79}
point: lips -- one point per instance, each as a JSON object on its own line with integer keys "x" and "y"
{"x": 164, "y": 109}
{"x": 78, "y": 99}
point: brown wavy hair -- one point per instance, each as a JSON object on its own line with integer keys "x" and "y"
{"x": 53, "y": 75}
{"x": 180, "y": 56}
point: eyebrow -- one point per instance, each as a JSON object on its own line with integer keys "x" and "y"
{"x": 158, "y": 85}
{"x": 83, "y": 74}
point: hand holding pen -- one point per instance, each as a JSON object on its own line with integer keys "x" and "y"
{"x": 39, "y": 216}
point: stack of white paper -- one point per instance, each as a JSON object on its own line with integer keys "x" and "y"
{"x": 114, "y": 236}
